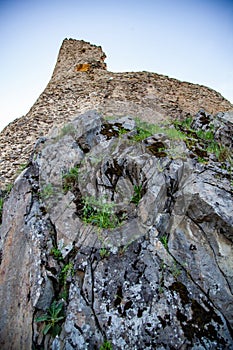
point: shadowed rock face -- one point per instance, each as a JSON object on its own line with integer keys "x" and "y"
{"x": 130, "y": 236}
{"x": 80, "y": 82}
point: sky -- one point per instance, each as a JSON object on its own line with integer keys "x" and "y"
{"x": 189, "y": 40}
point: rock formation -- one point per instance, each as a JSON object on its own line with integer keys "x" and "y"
{"x": 118, "y": 233}
{"x": 81, "y": 82}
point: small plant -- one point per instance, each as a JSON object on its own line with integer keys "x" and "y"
{"x": 57, "y": 254}
{"x": 106, "y": 345}
{"x": 186, "y": 123}
{"x": 22, "y": 167}
{"x": 52, "y": 319}
{"x": 175, "y": 270}
{"x": 47, "y": 191}
{"x": 70, "y": 178}
{"x": 99, "y": 213}
{"x": 205, "y": 135}
{"x": 137, "y": 194}
{"x": 104, "y": 253}
{"x": 144, "y": 130}
{"x": 201, "y": 160}
{"x": 9, "y": 188}
{"x": 122, "y": 132}
{"x": 123, "y": 248}
{"x": 164, "y": 241}
{"x": 67, "y": 271}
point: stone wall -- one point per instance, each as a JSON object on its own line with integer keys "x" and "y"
{"x": 80, "y": 82}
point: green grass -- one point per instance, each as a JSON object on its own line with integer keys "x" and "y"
{"x": 184, "y": 124}
{"x": 174, "y": 134}
{"x": 56, "y": 253}
{"x": 122, "y": 132}
{"x": 137, "y": 194}
{"x": 206, "y": 138}
{"x": 205, "y": 135}
{"x": 47, "y": 191}
{"x": 145, "y": 130}
{"x": 22, "y": 167}
{"x": 9, "y": 188}
{"x": 67, "y": 270}
{"x": 99, "y": 213}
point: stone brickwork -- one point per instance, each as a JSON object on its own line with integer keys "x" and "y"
{"x": 80, "y": 81}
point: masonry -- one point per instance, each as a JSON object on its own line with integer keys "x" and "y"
{"x": 80, "y": 82}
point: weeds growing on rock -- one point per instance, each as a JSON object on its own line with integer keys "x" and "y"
{"x": 53, "y": 318}
{"x": 206, "y": 139}
{"x": 144, "y": 130}
{"x": 99, "y": 213}
{"x": 9, "y": 188}
{"x": 175, "y": 270}
{"x": 47, "y": 191}
{"x": 56, "y": 253}
{"x": 22, "y": 167}
{"x": 137, "y": 194}
{"x": 70, "y": 178}
{"x": 106, "y": 345}
{"x": 67, "y": 271}
{"x": 104, "y": 253}
{"x": 164, "y": 241}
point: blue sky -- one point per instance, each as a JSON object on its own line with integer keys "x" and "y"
{"x": 189, "y": 40}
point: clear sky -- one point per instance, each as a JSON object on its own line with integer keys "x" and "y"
{"x": 190, "y": 40}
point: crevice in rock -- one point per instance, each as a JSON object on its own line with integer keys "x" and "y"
{"x": 93, "y": 295}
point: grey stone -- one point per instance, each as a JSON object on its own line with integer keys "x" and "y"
{"x": 161, "y": 278}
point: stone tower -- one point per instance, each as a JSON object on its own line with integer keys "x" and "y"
{"x": 77, "y": 56}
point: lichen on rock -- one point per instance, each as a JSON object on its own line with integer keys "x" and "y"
{"x": 157, "y": 275}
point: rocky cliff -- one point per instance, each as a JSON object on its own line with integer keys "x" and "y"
{"x": 118, "y": 233}
{"x": 81, "y": 82}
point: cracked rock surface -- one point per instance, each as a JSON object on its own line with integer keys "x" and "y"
{"x": 132, "y": 238}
